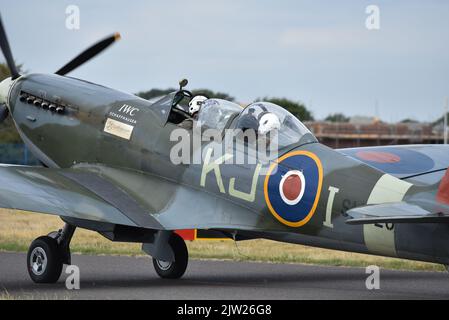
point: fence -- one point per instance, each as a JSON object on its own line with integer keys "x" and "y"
{"x": 344, "y": 135}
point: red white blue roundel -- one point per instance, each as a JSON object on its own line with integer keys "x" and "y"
{"x": 292, "y": 190}
{"x": 292, "y": 186}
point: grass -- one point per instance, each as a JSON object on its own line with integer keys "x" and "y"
{"x": 5, "y": 295}
{"x": 19, "y": 228}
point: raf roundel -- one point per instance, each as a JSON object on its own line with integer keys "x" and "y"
{"x": 292, "y": 187}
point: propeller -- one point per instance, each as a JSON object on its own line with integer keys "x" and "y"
{"x": 4, "y": 44}
{"x": 88, "y": 54}
{"x": 84, "y": 56}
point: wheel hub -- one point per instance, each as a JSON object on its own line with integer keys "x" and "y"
{"x": 38, "y": 261}
{"x": 163, "y": 265}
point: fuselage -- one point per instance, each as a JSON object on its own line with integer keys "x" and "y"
{"x": 99, "y": 125}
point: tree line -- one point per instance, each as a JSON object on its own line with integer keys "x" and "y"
{"x": 297, "y": 108}
{"x": 8, "y": 134}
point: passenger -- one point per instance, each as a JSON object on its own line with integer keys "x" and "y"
{"x": 248, "y": 121}
{"x": 269, "y": 126}
{"x": 268, "y": 122}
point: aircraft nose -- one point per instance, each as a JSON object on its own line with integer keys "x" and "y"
{"x": 5, "y": 86}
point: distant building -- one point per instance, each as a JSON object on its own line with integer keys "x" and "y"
{"x": 369, "y": 131}
{"x": 363, "y": 120}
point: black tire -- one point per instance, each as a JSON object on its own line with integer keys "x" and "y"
{"x": 49, "y": 268}
{"x": 176, "y": 269}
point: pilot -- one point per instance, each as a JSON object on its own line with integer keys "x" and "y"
{"x": 194, "y": 108}
{"x": 195, "y": 105}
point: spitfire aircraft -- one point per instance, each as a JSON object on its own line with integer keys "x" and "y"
{"x": 107, "y": 168}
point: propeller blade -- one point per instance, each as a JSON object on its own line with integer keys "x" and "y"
{"x": 4, "y": 44}
{"x": 89, "y": 53}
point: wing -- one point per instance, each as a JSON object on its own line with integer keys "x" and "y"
{"x": 119, "y": 197}
{"x": 430, "y": 203}
{"x": 53, "y": 191}
{"x": 399, "y": 212}
{"x": 403, "y": 161}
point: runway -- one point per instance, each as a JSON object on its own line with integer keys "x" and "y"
{"x": 114, "y": 277}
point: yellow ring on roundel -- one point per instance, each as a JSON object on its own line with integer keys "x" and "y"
{"x": 317, "y": 196}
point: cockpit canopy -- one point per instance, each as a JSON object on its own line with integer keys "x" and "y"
{"x": 291, "y": 130}
{"x": 219, "y": 114}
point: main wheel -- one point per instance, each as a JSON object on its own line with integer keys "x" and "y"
{"x": 175, "y": 269}
{"x": 44, "y": 260}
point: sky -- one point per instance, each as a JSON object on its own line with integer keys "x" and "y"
{"x": 317, "y": 52}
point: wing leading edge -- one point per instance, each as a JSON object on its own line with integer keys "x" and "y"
{"x": 120, "y": 197}
{"x": 51, "y": 191}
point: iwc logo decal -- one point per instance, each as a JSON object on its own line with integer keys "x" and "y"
{"x": 293, "y": 190}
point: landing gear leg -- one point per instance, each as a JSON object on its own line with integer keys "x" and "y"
{"x": 177, "y": 268}
{"x": 47, "y": 255}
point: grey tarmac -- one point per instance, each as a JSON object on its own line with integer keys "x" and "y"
{"x": 122, "y": 277}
